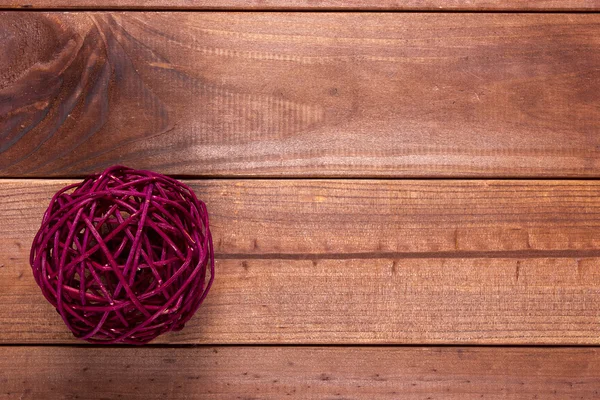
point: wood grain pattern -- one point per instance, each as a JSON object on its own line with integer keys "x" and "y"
{"x": 438, "y": 5}
{"x": 299, "y": 261}
{"x": 381, "y": 301}
{"x": 300, "y": 373}
{"x": 300, "y": 94}
{"x": 366, "y": 218}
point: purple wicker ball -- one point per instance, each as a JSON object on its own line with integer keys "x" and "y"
{"x": 124, "y": 256}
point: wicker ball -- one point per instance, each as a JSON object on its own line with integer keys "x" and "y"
{"x": 124, "y": 256}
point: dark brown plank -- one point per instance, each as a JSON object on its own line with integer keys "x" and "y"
{"x": 482, "y": 262}
{"x": 300, "y": 94}
{"x": 437, "y": 5}
{"x": 299, "y": 373}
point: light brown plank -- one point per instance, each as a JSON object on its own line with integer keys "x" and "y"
{"x": 301, "y": 94}
{"x": 438, "y": 5}
{"x": 299, "y": 373}
{"x": 365, "y": 218}
{"x": 503, "y": 262}
{"x": 381, "y": 301}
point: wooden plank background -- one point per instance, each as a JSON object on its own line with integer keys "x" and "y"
{"x": 345, "y": 5}
{"x": 343, "y": 269}
{"x": 364, "y": 261}
{"x": 300, "y": 373}
{"x": 301, "y": 94}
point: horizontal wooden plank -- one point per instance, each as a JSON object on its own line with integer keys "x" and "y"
{"x": 380, "y": 5}
{"x": 382, "y": 301}
{"x": 365, "y": 218}
{"x": 363, "y": 261}
{"x": 299, "y": 373}
{"x": 301, "y": 94}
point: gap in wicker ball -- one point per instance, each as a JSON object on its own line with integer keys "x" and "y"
{"x": 124, "y": 256}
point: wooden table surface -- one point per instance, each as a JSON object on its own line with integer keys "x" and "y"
{"x": 404, "y": 195}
